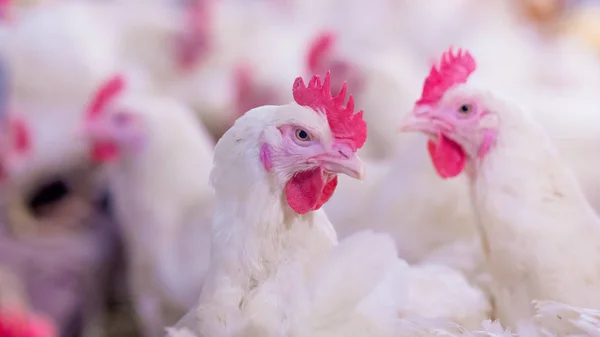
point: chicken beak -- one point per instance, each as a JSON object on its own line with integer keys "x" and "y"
{"x": 351, "y": 166}
{"x": 418, "y": 120}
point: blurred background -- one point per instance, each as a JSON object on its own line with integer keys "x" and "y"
{"x": 63, "y": 251}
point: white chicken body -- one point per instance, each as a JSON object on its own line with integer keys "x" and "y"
{"x": 275, "y": 272}
{"x": 164, "y": 202}
{"x": 531, "y": 210}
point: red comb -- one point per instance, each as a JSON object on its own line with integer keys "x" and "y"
{"x": 193, "y": 44}
{"x": 20, "y": 135}
{"x": 107, "y": 91}
{"x": 318, "y": 48}
{"x": 344, "y": 123}
{"x": 453, "y": 69}
{"x": 13, "y": 324}
{"x": 5, "y": 9}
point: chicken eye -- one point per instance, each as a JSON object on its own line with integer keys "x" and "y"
{"x": 302, "y": 135}
{"x": 465, "y": 108}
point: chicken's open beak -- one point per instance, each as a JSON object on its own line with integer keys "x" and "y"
{"x": 351, "y": 166}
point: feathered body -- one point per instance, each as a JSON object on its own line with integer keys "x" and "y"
{"x": 276, "y": 266}
{"x": 530, "y": 248}
{"x": 529, "y": 205}
{"x": 157, "y": 160}
{"x": 260, "y": 245}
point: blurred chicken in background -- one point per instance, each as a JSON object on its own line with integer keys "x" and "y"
{"x": 157, "y": 162}
{"x": 191, "y": 68}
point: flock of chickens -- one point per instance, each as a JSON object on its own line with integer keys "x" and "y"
{"x": 472, "y": 210}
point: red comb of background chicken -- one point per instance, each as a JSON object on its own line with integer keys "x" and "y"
{"x": 20, "y": 135}
{"x": 103, "y": 96}
{"x": 194, "y": 42}
{"x": 318, "y": 49}
{"x": 344, "y": 123}
{"x": 16, "y": 324}
{"x": 5, "y": 9}
{"x": 106, "y": 93}
{"x": 453, "y": 69}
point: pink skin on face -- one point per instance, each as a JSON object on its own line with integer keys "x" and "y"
{"x": 312, "y": 164}
{"x": 111, "y": 132}
{"x": 455, "y": 133}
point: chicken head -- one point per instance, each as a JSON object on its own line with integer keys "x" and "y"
{"x": 456, "y": 119}
{"x": 111, "y": 130}
{"x": 308, "y": 150}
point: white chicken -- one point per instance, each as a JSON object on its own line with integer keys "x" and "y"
{"x": 440, "y": 226}
{"x": 585, "y": 321}
{"x": 256, "y": 41}
{"x": 276, "y": 266}
{"x": 157, "y": 160}
{"x": 56, "y": 54}
{"x": 529, "y": 206}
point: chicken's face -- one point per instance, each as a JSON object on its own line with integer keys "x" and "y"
{"x": 113, "y": 133}
{"x": 454, "y": 115}
{"x": 111, "y": 130}
{"x": 312, "y": 142}
{"x": 307, "y": 159}
{"x": 460, "y": 126}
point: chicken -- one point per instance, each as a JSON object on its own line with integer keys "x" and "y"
{"x": 255, "y": 50}
{"x": 15, "y": 323}
{"x": 56, "y": 53}
{"x": 554, "y": 316}
{"x": 157, "y": 160}
{"x": 529, "y": 205}
{"x": 276, "y": 265}
{"x": 397, "y": 196}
